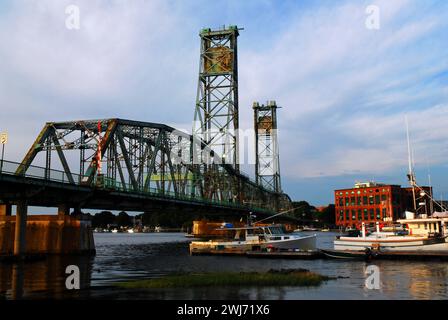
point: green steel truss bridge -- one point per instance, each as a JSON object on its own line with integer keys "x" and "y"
{"x": 118, "y": 164}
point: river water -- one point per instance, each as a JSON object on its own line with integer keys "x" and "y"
{"x": 125, "y": 256}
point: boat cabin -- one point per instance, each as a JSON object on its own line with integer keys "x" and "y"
{"x": 432, "y": 227}
{"x": 260, "y": 233}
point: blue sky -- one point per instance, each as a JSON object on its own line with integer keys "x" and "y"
{"x": 344, "y": 89}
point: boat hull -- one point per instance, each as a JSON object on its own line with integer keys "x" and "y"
{"x": 294, "y": 243}
{"x": 398, "y": 244}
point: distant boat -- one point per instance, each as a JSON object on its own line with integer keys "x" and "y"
{"x": 114, "y": 230}
{"x": 130, "y": 230}
{"x": 325, "y": 230}
{"x": 310, "y": 229}
{"x": 189, "y": 235}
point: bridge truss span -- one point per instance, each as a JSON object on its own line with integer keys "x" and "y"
{"x": 142, "y": 158}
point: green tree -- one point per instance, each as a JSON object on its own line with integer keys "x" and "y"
{"x": 102, "y": 219}
{"x": 303, "y": 211}
{"x": 123, "y": 219}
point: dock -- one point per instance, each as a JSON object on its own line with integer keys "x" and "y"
{"x": 303, "y": 255}
{"x": 386, "y": 255}
{"x": 331, "y": 254}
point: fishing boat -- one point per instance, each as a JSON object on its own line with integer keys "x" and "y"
{"x": 428, "y": 234}
{"x": 420, "y": 232}
{"x": 255, "y": 238}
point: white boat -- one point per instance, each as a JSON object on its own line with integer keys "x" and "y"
{"x": 255, "y": 238}
{"x": 425, "y": 234}
{"x": 306, "y": 228}
{"x": 130, "y": 230}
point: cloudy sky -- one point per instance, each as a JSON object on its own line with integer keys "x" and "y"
{"x": 345, "y": 89}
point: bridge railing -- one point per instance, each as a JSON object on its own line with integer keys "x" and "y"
{"x": 10, "y": 168}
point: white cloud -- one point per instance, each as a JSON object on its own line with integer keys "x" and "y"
{"x": 377, "y": 146}
{"x": 344, "y": 89}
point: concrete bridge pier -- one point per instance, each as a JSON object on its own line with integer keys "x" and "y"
{"x": 20, "y": 229}
{"x": 5, "y": 209}
{"x": 39, "y": 234}
{"x": 63, "y": 210}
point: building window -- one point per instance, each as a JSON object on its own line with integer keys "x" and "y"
{"x": 384, "y": 213}
{"x": 383, "y": 197}
{"x": 352, "y": 201}
{"x": 377, "y": 199}
{"x": 358, "y": 201}
{"x": 359, "y": 215}
{"x": 353, "y": 215}
{"x": 347, "y": 202}
{"x": 347, "y": 214}
{"x": 366, "y": 216}
{"x": 364, "y": 200}
{"x": 378, "y": 214}
{"x": 372, "y": 214}
{"x": 371, "y": 200}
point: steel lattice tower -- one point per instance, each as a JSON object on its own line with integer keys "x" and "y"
{"x": 216, "y": 113}
{"x": 267, "y": 165}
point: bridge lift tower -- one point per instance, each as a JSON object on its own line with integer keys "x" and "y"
{"x": 216, "y": 112}
{"x": 267, "y": 165}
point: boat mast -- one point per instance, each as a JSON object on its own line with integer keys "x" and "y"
{"x": 411, "y": 176}
{"x": 431, "y": 203}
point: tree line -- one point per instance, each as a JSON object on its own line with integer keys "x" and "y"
{"x": 304, "y": 211}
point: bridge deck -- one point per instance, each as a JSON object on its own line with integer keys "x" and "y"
{"x": 56, "y": 189}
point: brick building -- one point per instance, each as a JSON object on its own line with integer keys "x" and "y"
{"x": 371, "y": 202}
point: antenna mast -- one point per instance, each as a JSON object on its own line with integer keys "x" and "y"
{"x": 411, "y": 176}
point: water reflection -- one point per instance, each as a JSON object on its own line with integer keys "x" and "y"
{"x": 44, "y": 279}
{"x": 133, "y": 256}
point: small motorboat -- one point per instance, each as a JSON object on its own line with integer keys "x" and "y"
{"x": 255, "y": 238}
{"x": 349, "y": 254}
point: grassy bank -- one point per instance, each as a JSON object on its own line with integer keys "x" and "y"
{"x": 271, "y": 278}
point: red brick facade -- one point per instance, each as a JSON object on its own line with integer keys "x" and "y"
{"x": 370, "y": 203}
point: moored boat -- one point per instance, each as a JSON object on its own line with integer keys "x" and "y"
{"x": 425, "y": 234}
{"x": 254, "y": 238}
